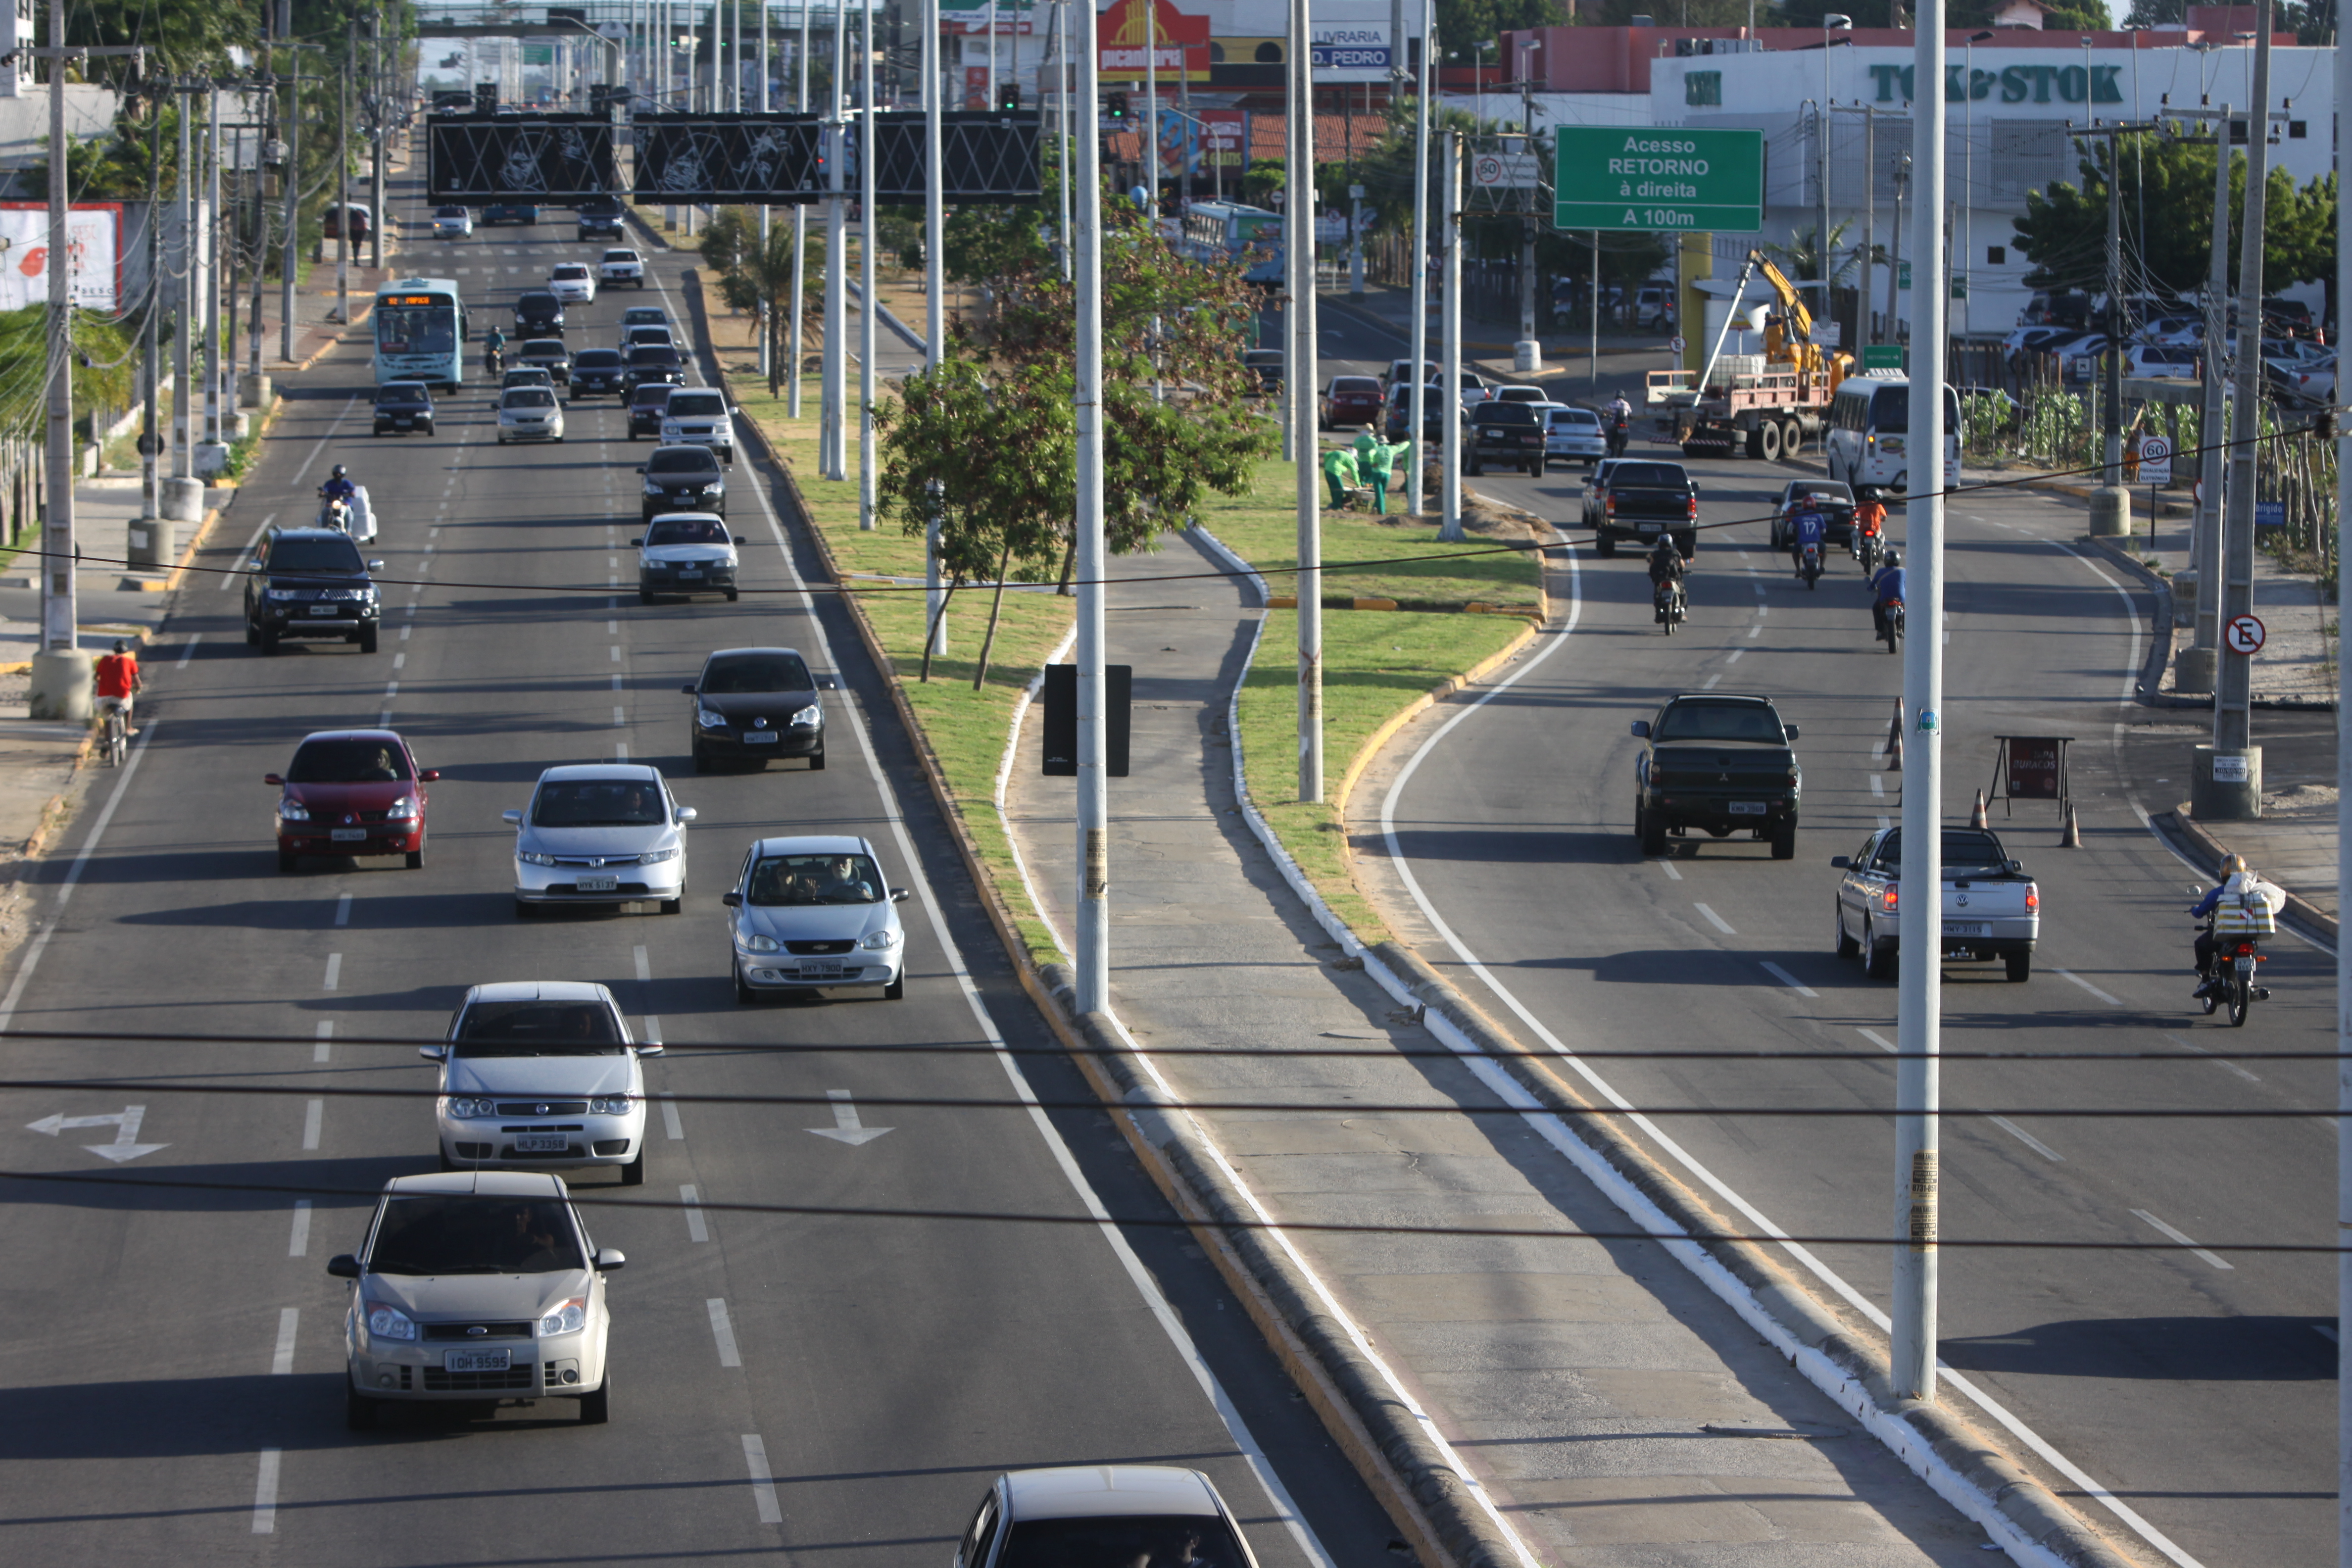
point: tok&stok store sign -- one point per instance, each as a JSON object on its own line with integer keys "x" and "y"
{"x": 2007, "y": 84}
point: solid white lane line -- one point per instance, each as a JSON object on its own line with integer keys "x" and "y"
{"x": 298, "y": 1243}
{"x": 2028, "y": 1139}
{"x": 281, "y": 1359}
{"x": 188, "y": 650}
{"x": 322, "y": 1050}
{"x": 1668, "y": 868}
{"x": 2185, "y": 1240}
{"x": 2086, "y": 985}
{"x": 1789, "y": 980}
{"x": 722, "y": 1332}
{"x": 313, "y": 1113}
{"x": 343, "y": 910}
{"x": 669, "y": 1117}
{"x": 230, "y": 579}
{"x": 697, "y": 1228}
{"x": 265, "y": 1493}
{"x": 1277, "y": 1493}
{"x": 764, "y": 1481}
{"x": 1875, "y": 1038}
{"x": 334, "y": 970}
{"x": 1716, "y": 921}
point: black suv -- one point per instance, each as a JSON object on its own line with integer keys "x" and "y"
{"x": 537, "y": 314}
{"x": 1507, "y": 433}
{"x": 651, "y": 365}
{"x": 310, "y": 583}
{"x": 647, "y": 403}
{"x": 602, "y": 222}
{"x": 550, "y": 355}
{"x": 597, "y": 371}
{"x": 684, "y": 478}
{"x": 403, "y": 406}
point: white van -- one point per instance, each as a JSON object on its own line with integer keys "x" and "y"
{"x": 1868, "y": 441}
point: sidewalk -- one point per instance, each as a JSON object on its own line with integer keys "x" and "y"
{"x": 1615, "y": 1410}
{"x": 2294, "y": 842}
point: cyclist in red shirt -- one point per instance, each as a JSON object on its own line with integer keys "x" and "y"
{"x": 117, "y": 679}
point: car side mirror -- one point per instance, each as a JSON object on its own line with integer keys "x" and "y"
{"x": 649, "y": 1048}
{"x": 434, "y": 1053}
{"x": 641, "y": 468}
{"x": 272, "y": 779}
{"x": 828, "y": 683}
{"x": 690, "y": 688}
{"x": 430, "y": 775}
{"x": 609, "y": 1259}
{"x": 513, "y": 817}
{"x": 1793, "y": 731}
{"x": 686, "y": 814}
{"x": 732, "y": 901}
{"x": 375, "y": 565}
{"x": 1841, "y": 862}
{"x": 1642, "y": 728}
{"x": 898, "y": 895}
{"x": 637, "y": 543}
{"x": 343, "y": 1265}
{"x": 2014, "y": 867}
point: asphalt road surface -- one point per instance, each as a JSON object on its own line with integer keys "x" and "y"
{"x": 840, "y": 1388}
{"x": 2197, "y": 1388}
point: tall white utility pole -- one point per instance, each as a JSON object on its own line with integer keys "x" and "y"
{"x": 1920, "y": 1007}
{"x": 212, "y": 254}
{"x": 1449, "y": 526}
{"x": 1418, "y": 456}
{"x": 869, "y": 307}
{"x": 2343, "y": 953}
{"x": 935, "y": 291}
{"x": 60, "y": 679}
{"x": 1149, "y": 144}
{"x": 183, "y": 403}
{"x": 767, "y": 214}
{"x": 1298, "y": 376}
{"x": 1092, "y": 987}
{"x": 343, "y": 176}
{"x": 800, "y": 244}
{"x": 833, "y": 454}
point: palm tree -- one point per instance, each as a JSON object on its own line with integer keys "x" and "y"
{"x": 1801, "y": 259}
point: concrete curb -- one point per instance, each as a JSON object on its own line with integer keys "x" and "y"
{"x": 2200, "y": 845}
{"x": 2159, "y": 653}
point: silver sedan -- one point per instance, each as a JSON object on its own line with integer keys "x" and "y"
{"x": 600, "y": 833}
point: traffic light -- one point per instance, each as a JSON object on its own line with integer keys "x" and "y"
{"x": 1119, "y": 109}
{"x": 1008, "y": 96}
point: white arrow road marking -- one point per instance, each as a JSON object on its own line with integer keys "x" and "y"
{"x": 847, "y": 1128}
{"x": 125, "y": 1123}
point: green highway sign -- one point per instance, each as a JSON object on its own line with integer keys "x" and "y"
{"x": 1639, "y": 177}
{"x": 1882, "y": 356}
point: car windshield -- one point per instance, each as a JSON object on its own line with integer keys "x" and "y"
{"x": 643, "y": 315}
{"x": 336, "y": 554}
{"x": 1575, "y": 417}
{"x": 576, "y": 1027}
{"x": 696, "y": 405}
{"x": 1968, "y": 852}
{"x": 532, "y": 377}
{"x": 651, "y": 354}
{"x": 536, "y": 303}
{"x": 1706, "y": 720}
{"x": 548, "y": 348}
{"x": 347, "y": 761}
{"x": 788, "y": 879}
{"x": 682, "y": 460}
{"x": 399, "y": 395}
{"x": 620, "y": 255}
{"x": 1354, "y": 384}
{"x": 1818, "y": 489}
{"x": 1890, "y": 410}
{"x": 416, "y": 329}
{"x": 1648, "y": 476}
{"x": 1130, "y": 1541}
{"x": 448, "y": 212}
{"x": 653, "y": 396}
{"x": 1262, "y": 358}
{"x": 528, "y": 397}
{"x": 597, "y": 359}
{"x": 756, "y": 672}
{"x": 569, "y": 274}
{"x": 454, "y": 1232}
{"x": 1505, "y": 414}
{"x": 687, "y": 531}
{"x": 598, "y": 803}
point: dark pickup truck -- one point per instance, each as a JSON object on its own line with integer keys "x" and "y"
{"x": 1506, "y": 434}
{"x": 1721, "y": 764}
{"x": 1638, "y": 500}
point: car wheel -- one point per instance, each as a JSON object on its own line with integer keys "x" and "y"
{"x": 731, "y": 595}
{"x": 1846, "y": 946}
{"x": 415, "y": 859}
{"x": 673, "y": 906}
{"x": 633, "y": 432}
{"x": 816, "y": 760}
{"x": 525, "y": 910}
{"x": 633, "y": 1174}
{"x": 1653, "y": 833}
{"x": 897, "y": 990}
{"x": 427, "y": 428}
{"x": 268, "y": 640}
{"x": 2020, "y": 968}
{"x": 744, "y": 994}
{"x": 252, "y": 635}
{"x": 1878, "y": 960}
{"x": 367, "y": 640}
{"x": 1535, "y": 469}
{"x": 702, "y": 759}
{"x": 644, "y": 597}
{"x": 1604, "y": 545}
{"x": 286, "y": 860}
{"x": 1784, "y": 841}
{"x": 359, "y": 1410}
{"x": 596, "y": 1408}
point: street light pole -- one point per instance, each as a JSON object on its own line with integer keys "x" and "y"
{"x": 1417, "y": 443}
{"x": 792, "y": 345}
{"x": 1299, "y": 377}
{"x": 1092, "y": 986}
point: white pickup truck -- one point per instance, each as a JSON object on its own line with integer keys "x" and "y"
{"x": 621, "y": 266}
{"x": 1992, "y": 910}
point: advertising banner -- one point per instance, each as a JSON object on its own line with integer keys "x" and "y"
{"x": 1351, "y": 51}
{"x": 1179, "y": 43}
{"x": 94, "y": 247}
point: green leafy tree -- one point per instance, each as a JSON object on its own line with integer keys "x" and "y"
{"x": 1463, "y": 25}
{"x": 761, "y": 280}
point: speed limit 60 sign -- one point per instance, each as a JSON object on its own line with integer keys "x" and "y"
{"x": 2245, "y": 634}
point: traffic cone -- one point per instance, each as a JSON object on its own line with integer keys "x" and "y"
{"x": 1893, "y": 750}
{"x": 2073, "y": 835}
{"x": 1977, "y": 817}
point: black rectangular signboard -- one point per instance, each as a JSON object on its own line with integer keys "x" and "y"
{"x": 776, "y": 159}
{"x": 530, "y": 157}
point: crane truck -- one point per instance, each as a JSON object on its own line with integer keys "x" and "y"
{"x": 1769, "y": 404}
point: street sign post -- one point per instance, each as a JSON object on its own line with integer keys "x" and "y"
{"x": 2155, "y": 460}
{"x": 1650, "y": 178}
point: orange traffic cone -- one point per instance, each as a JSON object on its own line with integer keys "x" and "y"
{"x": 2074, "y": 837}
{"x": 1977, "y": 817}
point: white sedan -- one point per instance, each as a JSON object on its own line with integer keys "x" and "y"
{"x": 600, "y": 834}
{"x": 684, "y": 554}
{"x": 622, "y": 265}
{"x": 530, "y": 413}
{"x": 540, "y": 1073}
{"x": 452, "y": 223}
{"x": 572, "y": 283}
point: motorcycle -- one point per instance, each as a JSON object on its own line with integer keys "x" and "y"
{"x": 1809, "y": 563}
{"x": 1619, "y": 433}
{"x": 1895, "y": 626}
{"x": 493, "y": 362}
{"x": 336, "y": 514}
{"x": 2233, "y": 976}
{"x": 1868, "y": 550}
{"x": 1668, "y": 605}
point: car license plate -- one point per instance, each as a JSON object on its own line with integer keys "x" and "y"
{"x": 2242, "y": 965}
{"x": 403, "y": 419}
{"x": 1967, "y": 928}
{"x": 323, "y": 609}
{"x": 598, "y": 884}
{"x": 543, "y": 1143}
{"x": 347, "y": 835}
{"x": 821, "y": 972}
{"x": 1651, "y": 527}
{"x": 477, "y": 1361}
{"x": 689, "y": 570}
{"x": 760, "y": 738}
{"x": 1747, "y": 809}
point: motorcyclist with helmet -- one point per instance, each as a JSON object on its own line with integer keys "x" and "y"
{"x": 1667, "y": 567}
{"x": 1869, "y": 526}
{"x": 1886, "y": 589}
{"x": 494, "y": 342}
{"x": 1807, "y": 527}
{"x": 2238, "y": 880}
{"x": 339, "y": 488}
{"x": 1619, "y": 416}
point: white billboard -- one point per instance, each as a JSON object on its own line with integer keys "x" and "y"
{"x": 1351, "y": 51}
{"x": 93, "y": 235}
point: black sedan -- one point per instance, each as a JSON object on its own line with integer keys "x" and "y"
{"x": 1832, "y": 499}
{"x": 647, "y": 403}
{"x": 753, "y": 703}
{"x": 599, "y": 223}
{"x": 597, "y": 371}
{"x": 548, "y": 354}
{"x": 538, "y": 314}
{"x": 401, "y": 407}
{"x": 654, "y": 366}
{"x": 684, "y": 478}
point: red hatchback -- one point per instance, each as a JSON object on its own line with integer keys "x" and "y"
{"x": 351, "y": 792}
{"x": 1351, "y": 400}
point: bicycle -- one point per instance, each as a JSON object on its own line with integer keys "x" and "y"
{"x": 114, "y": 739}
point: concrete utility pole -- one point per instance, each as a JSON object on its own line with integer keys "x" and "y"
{"x": 1417, "y": 458}
{"x": 1869, "y": 222}
{"x": 935, "y": 289}
{"x": 343, "y": 176}
{"x": 1526, "y": 354}
{"x": 2343, "y": 953}
{"x": 2194, "y": 667}
{"x": 1093, "y": 935}
{"x": 2111, "y": 502}
{"x": 833, "y": 455}
{"x": 381, "y": 119}
{"x": 1299, "y": 376}
{"x": 767, "y": 214}
{"x": 150, "y": 444}
{"x": 1919, "y": 1005}
{"x": 800, "y": 245}
{"x": 2226, "y": 778}
{"x": 1449, "y": 526}
{"x": 868, "y": 306}
{"x": 1150, "y": 145}
{"x": 293, "y": 196}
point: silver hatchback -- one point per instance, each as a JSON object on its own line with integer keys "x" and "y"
{"x": 1103, "y": 1513}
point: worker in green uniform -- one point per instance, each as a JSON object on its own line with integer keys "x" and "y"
{"x": 1339, "y": 471}
{"x": 1375, "y": 461}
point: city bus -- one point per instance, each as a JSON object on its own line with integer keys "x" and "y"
{"x": 1237, "y": 232}
{"x": 420, "y": 332}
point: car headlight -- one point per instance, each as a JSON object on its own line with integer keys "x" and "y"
{"x": 404, "y": 809}
{"x": 712, "y": 489}
{"x": 293, "y": 811}
{"x": 387, "y": 1322}
{"x": 656, "y": 857}
{"x": 609, "y": 1105}
{"x": 757, "y": 942}
{"x": 286, "y": 593}
{"x": 469, "y": 1107}
{"x": 709, "y": 719}
{"x": 565, "y": 1318}
{"x": 533, "y": 858}
{"x": 812, "y": 714}
{"x": 881, "y": 940}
